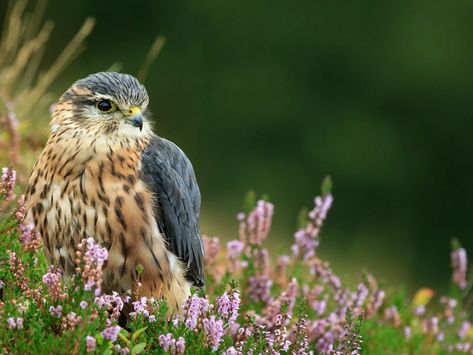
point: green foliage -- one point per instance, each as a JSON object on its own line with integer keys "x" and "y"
{"x": 249, "y": 201}
{"x": 327, "y": 185}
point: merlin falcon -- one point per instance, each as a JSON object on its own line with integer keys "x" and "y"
{"x": 104, "y": 174}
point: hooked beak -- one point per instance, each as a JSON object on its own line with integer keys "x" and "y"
{"x": 135, "y": 117}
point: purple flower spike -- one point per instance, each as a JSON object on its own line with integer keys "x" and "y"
{"x": 459, "y": 266}
{"x": 111, "y": 332}
{"x": 213, "y": 329}
{"x": 228, "y": 306}
{"x": 7, "y": 183}
{"x": 91, "y": 343}
{"x": 307, "y": 239}
{"x": 255, "y": 228}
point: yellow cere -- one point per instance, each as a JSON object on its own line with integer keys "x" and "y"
{"x": 133, "y": 110}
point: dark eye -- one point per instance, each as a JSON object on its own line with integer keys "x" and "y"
{"x": 105, "y": 106}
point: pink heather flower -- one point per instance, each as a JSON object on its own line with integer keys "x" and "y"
{"x": 211, "y": 248}
{"x": 213, "y": 330}
{"x": 322, "y": 270}
{"x": 281, "y": 269}
{"x": 407, "y": 332}
{"x": 93, "y": 259}
{"x": 261, "y": 260}
{"x": 255, "y": 229}
{"x": 235, "y": 247}
{"x": 27, "y": 232}
{"x": 449, "y": 302}
{"x": 431, "y": 325}
{"x": 459, "y": 266}
{"x": 113, "y": 303}
{"x": 165, "y": 341}
{"x": 11, "y": 323}
{"x": 325, "y": 343}
{"x": 419, "y": 310}
{"x": 140, "y": 307}
{"x": 260, "y": 288}
{"x": 273, "y": 309}
{"x": 28, "y": 236}
{"x": 322, "y": 206}
{"x": 21, "y": 210}
{"x": 7, "y": 183}
{"x": 392, "y": 313}
{"x": 304, "y": 245}
{"x": 228, "y": 306}
{"x": 306, "y": 240}
{"x": 95, "y": 254}
{"x": 231, "y": 351}
{"x": 283, "y": 261}
{"x": 70, "y": 321}
{"x": 290, "y": 295}
{"x": 234, "y": 251}
{"x": 462, "y": 347}
{"x": 242, "y": 336}
{"x": 341, "y": 297}
{"x": 194, "y": 308}
{"x": 180, "y": 345}
{"x": 277, "y": 337}
{"x": 89, "y": 285}
{"x": 55, "y": 311}
{"x": 171, "y": 345}
{"x": 359, "y": 299}
{"x": 53, "y": 280}
{"x": 376, "y": 302}
{"x": 19, "y": 323}
{"x": 91, "y": 343}
{"x": 300, "y": 343}
{"x": 464, "y": 327}
{"x": 111, "y": 332}
{"x": 319, "y": 306}
{"x": 83, "y": 304}
{"x": 152, "y": 318}
{"x": 72, "y": 316}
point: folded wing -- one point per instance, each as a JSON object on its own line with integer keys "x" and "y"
{"x": 169, "y": 175}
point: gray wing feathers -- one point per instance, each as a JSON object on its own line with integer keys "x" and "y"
{"x": 168, "y": 173}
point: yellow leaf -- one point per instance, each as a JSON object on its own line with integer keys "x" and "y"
{"x": 423, "y": 297}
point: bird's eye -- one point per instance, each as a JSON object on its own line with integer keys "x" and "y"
{"x": 106, "y": 106}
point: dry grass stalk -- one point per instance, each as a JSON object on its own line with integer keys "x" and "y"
{"x": 22, "y": 87}
{"x": 151, "y": 57}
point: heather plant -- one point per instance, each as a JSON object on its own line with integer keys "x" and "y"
{"x": 252, "y": 302}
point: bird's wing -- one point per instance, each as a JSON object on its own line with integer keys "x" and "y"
{"x": 169, "y": 175}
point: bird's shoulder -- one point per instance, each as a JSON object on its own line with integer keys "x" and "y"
{"x": 160, "y": 151}
{"x": 163, "y": 158}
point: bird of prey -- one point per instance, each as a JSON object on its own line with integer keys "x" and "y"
{"x": 104, "y": 174}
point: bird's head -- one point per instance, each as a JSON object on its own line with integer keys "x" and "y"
{"x": 105, "y": 103}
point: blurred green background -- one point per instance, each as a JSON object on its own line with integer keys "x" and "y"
{"x": 274, "y": 95}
